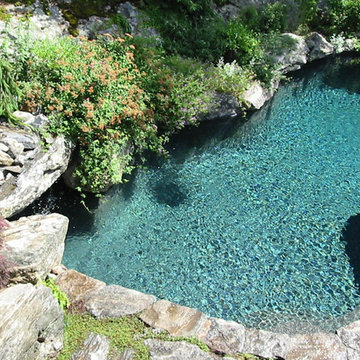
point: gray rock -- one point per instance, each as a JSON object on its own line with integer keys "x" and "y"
{"x": 319, "y": 47}
{"x": 176, "y": 350}
{"x": 12, "y": 169}
{"x": 116, "y": 301}
{"x": 5, "y": 159}
{"x": 36, "y": 177}
{"x": 96, "y": 347}
{"x": 353, "y": 354}
{"x": 31, "y": 323}
{"x": 350, "y": 335}
{"x": 15, "y": 148}
{"x": 29, "y": 140}
{"x": 3, "y": 147}
{"x": 256, "y": 96}
{"x": 291, "y": 57}
{"x": 266, "y": 343}
{"x": 35, "y": 244}
{"x": 228, "y": 12}
{"x": 223, "y": 336}
{"x": 77, "y": 285}
{"x": 176, "y": 319}
{"x": 126, "y": 355}
{"x": 36, "y": 121}
{"x": 319, "y": 346}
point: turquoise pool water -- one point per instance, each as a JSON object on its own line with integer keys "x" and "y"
{"x": 244, "y": 225}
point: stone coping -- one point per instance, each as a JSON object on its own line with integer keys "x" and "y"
{"x": 222, "y": 336}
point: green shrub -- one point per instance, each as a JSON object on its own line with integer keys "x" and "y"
{"x": 242, "y": 43}
{"x": 10, "y": 94}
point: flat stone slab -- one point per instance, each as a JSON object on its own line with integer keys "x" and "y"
{"x": 176, "y": 350}
{"x": 31, "y": 323}
{"x": 116, "y": 301}
{"x": 176, "y": 319}
{"x": 316, "y": 347}
{"x": 266, "y": 343}
{"x": 77, "y": 285}
{"x": 35, "y": 244}
{"x": 96, "y": 347}
{"x": 223, "y": 336}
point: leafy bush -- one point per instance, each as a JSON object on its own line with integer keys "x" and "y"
{"x": 242, "y": 43}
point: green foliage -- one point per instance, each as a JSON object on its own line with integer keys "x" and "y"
{"x": 339, "y": 16}
{"x": 266, "y": 19}
{"x": 4, "y": 15}
{"x": 120, "y": 21}
{"x": 242, "y": 43}
{"x": 188, "y": 28}
{"x": 59, "y": 295}
{"x": 10, "y": 93}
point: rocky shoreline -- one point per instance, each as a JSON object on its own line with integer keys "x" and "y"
{"x": 32, "y": 322}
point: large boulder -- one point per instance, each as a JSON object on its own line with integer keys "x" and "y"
{"x": 40, "y": 168}
{"x": 319, "y": 47}
{"x": 350, "y": 335}
{"x": 31, "y": 323}
{"x": 35, "y": 244}
{"x": 292, "y": 53}
{"x": 116, "y": 301}
{"x": 257, "y": 95}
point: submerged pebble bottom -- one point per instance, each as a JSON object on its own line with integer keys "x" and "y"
{"x": 248, "y": 229}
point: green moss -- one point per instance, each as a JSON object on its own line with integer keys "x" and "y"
{"x": 4, "y": 15}
{"x": 121, "y": 333}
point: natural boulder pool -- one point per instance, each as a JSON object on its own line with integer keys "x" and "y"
{"x": 245, "y": 220}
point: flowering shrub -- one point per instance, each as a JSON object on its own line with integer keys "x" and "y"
{"x": 230, "y": 78}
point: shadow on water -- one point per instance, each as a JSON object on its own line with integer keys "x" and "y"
{"x": 63, "y": 200}
{"x": 351, "y": 235}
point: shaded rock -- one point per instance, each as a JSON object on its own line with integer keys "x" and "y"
{"x": 29, "y": 140}
{"x": 35, "y": 244}
{"x": 223, "y": 336}
{"x": 319, "y": 47}
{"x": 293, "y": 53}
{"x": 77, "y": 285}
{"x": 176, "y": 350}
{"x": 222, "y": 107}
{"x": 266, "y": 343}
{"x": 316, "y": 347}
{"x": 36, "y": 177}
{"x": 31, "y": 323}
{"x": 116, "y": 301}
{"x": 96, "y": 347}
{"x": 176, "y": 319}
{"x": 350, "y": 335}
{"x": 228, "y": 12}
{"x": 5, "y": 159}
